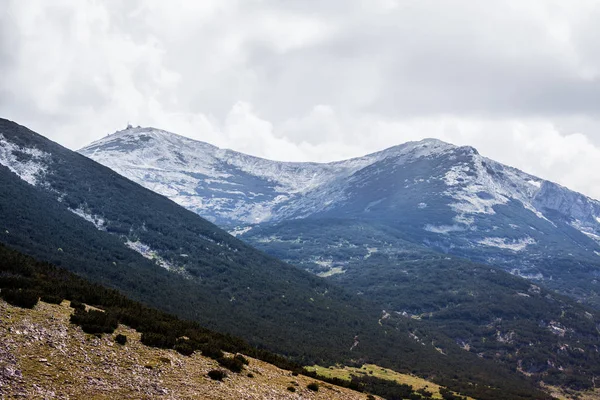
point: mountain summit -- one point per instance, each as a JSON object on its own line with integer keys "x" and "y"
{"x": 225, "y": 186}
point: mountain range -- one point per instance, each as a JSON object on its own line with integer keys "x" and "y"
{"x": 432, "y": 194}
{"x": 385, "y": 296}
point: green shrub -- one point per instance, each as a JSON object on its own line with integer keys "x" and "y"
{"x": 211, "y": 350}
{"x": 314, "y": 386}
{"x": 77, "y": 305}
{"x": 121, "y": 339}
{"x": 183, "y": 347}
{"x": 241, "y": 359}
{"x": 291, "y": 389}
{"x": 217, "y": 374}
{"x": 158, "y": 340}
{"x": 20, "y": 298}
{"x": 52, "y": 299}
{"x": 94, "y": 321}
{"x": 231, "y": 363}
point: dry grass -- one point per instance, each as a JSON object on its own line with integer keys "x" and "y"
{"x": 57, "y": 360}
{"x": 343, "y": 372}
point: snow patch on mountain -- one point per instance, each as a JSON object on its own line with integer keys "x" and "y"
{"x": 590, "y": 231}
{"x": 509, "y": 244}
{"x": 28, "y": 163}
{"x": 98, "y": 221}
{"x": 481, "y": 184}
{"x": 240, "y": 230}
{"x": 147, "y": 252}
{"x": 443, "y": 229}
{"x": 411, "y": 151}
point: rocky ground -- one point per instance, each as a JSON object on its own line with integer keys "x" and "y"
{"x": 43, "y": 356}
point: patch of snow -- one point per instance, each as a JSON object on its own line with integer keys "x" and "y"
{"x": 591, "y": 235}
{"x": 504, "y": 243}
{"x": 456, "y": 175}
{"x": 370, "y": 251}
{"x": 240, "y": 230}
{"x": 324, "y": 263}
{"x": 532, "y": 277}
{"x": 331, "y": 272}
{"x": 147, "y": 252}
{"x": 481, "y": 184}
{"x": 422, "y": 205}
{"x": 373, "y": 204}
{"x": 597, "y": 219}
{"x": 443, "y": 229}
{"x": 586, "y": 230}
{"x": 597, "y": 253}
{"x": 98, "y": 221}
{"x": 464, "y": 220}
{"x": 31, "y": 168}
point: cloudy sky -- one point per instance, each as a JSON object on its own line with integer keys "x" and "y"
{"x": 315, "y": 80}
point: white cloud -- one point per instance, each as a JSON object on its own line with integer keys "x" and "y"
{"x": 307, "y": 80}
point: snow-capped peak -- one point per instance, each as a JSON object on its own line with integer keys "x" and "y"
{"x": 422, "y": 148}
{"x": 233, "y": 188}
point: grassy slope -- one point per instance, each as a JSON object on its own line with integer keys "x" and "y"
{"x": 346, "y": 373}
{"x": 56, "y": 358}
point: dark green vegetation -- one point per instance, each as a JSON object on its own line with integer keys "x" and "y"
{"x": 121, "y": 339}
{"x": 484, "y": 310}
{"x": 215, "y": 279}
{"x": 21, "y": 274}
{"x": 412, "y": 196}
{"x": 217, "y": 374}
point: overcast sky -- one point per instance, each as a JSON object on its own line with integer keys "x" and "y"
{"x": 316, "y": 80}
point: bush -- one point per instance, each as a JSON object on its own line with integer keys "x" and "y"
{"x": 183, "y": 347}
{"x": 121, "y": 339}
{"x": 52, "y": 299}
{"x": 217, "y": 374}
{"x": 77, "y": 305}
{"x": 157, "y": 340}
{"x": 231, "y": 363}
{"x": 212, "y": 350}
{"x": 291, "y": 389}
{"x": 314, "y": 386}
{"x": 20, "y": 298}
{"x": 241, "y": 359}
{"x": 424, "y": 393}
{"x": 94, "y": 321}
{"x": 449, "y": 395}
